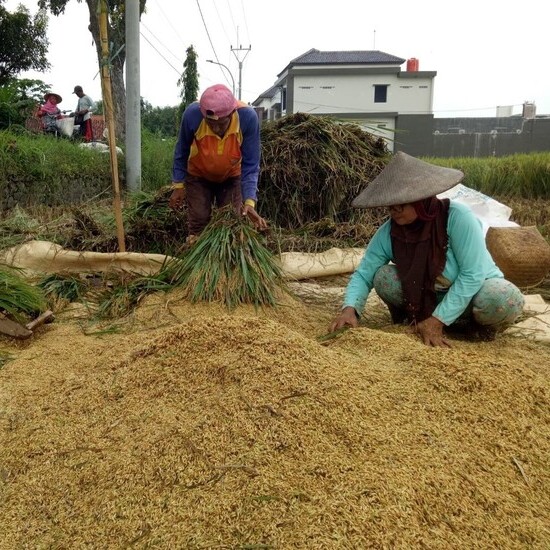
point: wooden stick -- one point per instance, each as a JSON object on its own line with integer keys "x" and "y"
{"x": 40, "y": 320}
{"x": 110, "y": 119}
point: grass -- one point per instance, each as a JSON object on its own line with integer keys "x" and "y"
{"x": 521, "y": 176}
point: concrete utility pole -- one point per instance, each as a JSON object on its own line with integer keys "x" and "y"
{"x": 240, "y": 49}
{"x": 133, "y": 99}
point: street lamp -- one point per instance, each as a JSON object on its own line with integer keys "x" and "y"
{"x": 227, "y": 69}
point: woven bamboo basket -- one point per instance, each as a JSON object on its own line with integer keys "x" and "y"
{"x": 521, "y": 253}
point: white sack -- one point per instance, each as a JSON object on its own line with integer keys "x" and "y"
{"x": 47, "y": 257}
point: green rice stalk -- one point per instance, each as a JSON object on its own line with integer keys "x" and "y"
{"x": 229, "y": 263}
{"x": 18, "y": 297}
{"x": 122, "y": 297}
{"x": 63, "y": 287}
{"x": 5, "y": 357}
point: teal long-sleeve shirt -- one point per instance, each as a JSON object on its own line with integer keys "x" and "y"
{"x": 468, "y": 264}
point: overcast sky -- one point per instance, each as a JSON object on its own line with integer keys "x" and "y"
{"x": 485, "y": 53}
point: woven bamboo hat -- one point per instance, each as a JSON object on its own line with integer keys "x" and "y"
{"x": 407, "y": 179}
{"x": 57, "y": 96}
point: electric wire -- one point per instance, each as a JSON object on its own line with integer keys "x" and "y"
{"x": 157, "y": 39}
{"x": 246, "y": 23}
{"x": 210, "y": 40}
{"x": 207, "y": 32}
{"x": 154, "y": 48}
{"x": 221, "y": 22}
{"x": 346, "y": 109}
{"x": 176, "y": 32}
{"x": 233, "y": 19}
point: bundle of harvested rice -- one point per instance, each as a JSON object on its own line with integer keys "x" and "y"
{"x": 313, "y": 167}
{"x": 227, "y": 432}
{"x": 228, "y": 263}
{"x": 19, "y": 298}
{"x": 152, "y": 226}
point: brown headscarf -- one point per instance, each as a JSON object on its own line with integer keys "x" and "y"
{"x": 419, "y": 251}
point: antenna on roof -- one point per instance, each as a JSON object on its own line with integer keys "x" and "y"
{"x": 374, "y": 39}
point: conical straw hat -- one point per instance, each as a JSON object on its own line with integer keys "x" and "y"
{"x": 407, "y": 179}
{"x": 57, "y": 96}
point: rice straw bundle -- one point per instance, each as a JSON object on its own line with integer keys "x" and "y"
{"x": 313, "y": 167}
{"x": 18, "y": 297}
{"x": 228, "y": 263}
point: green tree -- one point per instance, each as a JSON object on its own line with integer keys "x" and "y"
{"x": 189, "y": 80}
{"x": 160, "y": 121}
{"x": 116, "y": 29}
{"x": 99, "y": 110}
{"x": 19, "y": 99}
{"x": 24, "y": 43}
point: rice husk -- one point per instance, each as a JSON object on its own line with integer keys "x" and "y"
{"x": 240, "y": 430}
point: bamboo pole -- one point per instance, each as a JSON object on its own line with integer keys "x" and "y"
{"x": 110, "y": 120}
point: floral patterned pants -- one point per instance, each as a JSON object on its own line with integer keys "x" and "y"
{"x": 498, "y": 302}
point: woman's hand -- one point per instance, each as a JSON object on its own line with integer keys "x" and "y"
{"x": 254, "y": 217}
{"x": 347, "y": 318}
{"x": 431, "y": 332}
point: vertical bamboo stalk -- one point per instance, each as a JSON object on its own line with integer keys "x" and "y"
{"x": 110, "y": 119}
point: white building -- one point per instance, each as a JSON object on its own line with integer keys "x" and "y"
{"x": 367, "y": 87}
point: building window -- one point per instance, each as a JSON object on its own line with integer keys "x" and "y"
{"x": 380, "y": 93}
{"x": 406, "y": 87}
{"x": 327, "y": 87}
{"x": 305, "y": 87}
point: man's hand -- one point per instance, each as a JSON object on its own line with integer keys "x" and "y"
{"x": 254, "y": 217}
{"x": 177, "y": 199}
{"x": 347, "y": 318}
{"x": 431, "y": 332}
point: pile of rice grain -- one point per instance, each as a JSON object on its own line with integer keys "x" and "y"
{"x": 238, "y": 432}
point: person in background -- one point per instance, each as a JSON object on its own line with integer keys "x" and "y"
{"x": 49, "y": 112}
{"x": 83, "y": 113}
{"x": 216, "y": 159}
{"x": 442, "y": 271}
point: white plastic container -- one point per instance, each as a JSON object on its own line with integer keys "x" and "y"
{"x": 66, "y": 125}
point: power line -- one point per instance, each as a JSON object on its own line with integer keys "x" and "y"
{"x": 152, "y": 46}
{"x": 155, "y": 37}
{"x": 245, "y": 22}
{"x": 208, "y": 35}
{"x": 176, "y": 32}
{"x": 359, "y": 110}
{"x": 221, "y": 21}
{"x": 232, "y": 19}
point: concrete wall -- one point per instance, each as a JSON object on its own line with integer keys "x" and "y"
{"x": 334, "y": 90}
{"x": 414, "y": 135}
{"x": 487, "y": 137}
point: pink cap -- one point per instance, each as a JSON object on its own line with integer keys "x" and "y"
{"x": 217, "y": 102}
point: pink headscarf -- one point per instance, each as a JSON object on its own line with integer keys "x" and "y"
{"x": 49, "y": 107}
